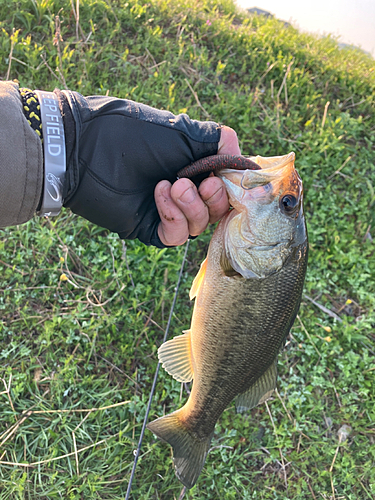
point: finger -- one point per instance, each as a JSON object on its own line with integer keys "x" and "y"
{"x": 228, "y": 144}
{"x": 185, "y": 195}
{"x": 173, "y": 228}
{"x": 213, "y": 193}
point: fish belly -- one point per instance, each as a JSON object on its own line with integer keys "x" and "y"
{"x": 238, "y": 328}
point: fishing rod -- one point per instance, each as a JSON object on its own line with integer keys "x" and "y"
{"x": 137, "y": 453}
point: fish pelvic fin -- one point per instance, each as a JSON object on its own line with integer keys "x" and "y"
{"x": 176, "y": 358}
{"x": 259, "y": 392}
{"x": 189, "y": 452}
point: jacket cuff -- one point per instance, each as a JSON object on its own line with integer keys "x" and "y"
{"x": 21, "y": 161}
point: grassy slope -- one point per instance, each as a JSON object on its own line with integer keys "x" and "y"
{"x": 91, "y": 341}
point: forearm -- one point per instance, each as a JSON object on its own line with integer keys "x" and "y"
{"x": 21, "y": 160}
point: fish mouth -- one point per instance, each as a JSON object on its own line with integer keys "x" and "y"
{"x": 273, "y": 162}
{"x": 277, "y": 174}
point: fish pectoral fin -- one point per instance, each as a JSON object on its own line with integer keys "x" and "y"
{"x": 198, "y": 280}
{"x": 226, "y": 266}
{"x": 258, "y": 392}
{"x": 176, "y": 358}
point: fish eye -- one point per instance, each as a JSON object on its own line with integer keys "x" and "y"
{"x": 288, "y": 203}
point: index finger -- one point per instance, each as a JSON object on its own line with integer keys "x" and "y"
{"x": 213, "y": 193}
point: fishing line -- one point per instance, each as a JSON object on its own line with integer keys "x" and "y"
{"x": 137, "y": 453}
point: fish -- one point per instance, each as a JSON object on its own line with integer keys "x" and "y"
{"x": 247, "y": 295}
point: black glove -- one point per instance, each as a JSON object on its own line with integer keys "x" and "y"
{"x": 117, "y": 151}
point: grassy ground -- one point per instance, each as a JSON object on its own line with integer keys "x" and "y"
{"x": 78, "y": 356}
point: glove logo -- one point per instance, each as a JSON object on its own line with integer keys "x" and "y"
{"x": 56, "y": 184}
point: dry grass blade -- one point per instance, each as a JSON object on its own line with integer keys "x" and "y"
{"x": 48, "y": 460}
{"x": 7, "y": 392}
{"x": 182, "y": 494}
{"x": 343, "y": 434}
{"x": 197, "y": 98}
{"x": 311, "y": 490}
{"x": 80, "y": 410}
{"x": 56, "y": 41}
{"x": 75, "y": 452}
{"x": 282, "y": 402}
{"x": 339, "y": 169}
{"x": 308, "y": 335}
{"x": 43, "y": 56}
{"x": 324, "y": 309}
{"x": 324, "y": 115}
{"x": 12, "y": 430}
{"x": 10, "y": 54}
{"x": 283, "y": 84}
{"x": 281, "y": 453}
{"x": 102, "y": 304}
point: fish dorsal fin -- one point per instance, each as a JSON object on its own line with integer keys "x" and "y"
{"x": 175, "y": 356}
{"x": 258, "y": 392}
{"x": 198, "y": 280}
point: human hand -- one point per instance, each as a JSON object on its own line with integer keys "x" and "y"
{"x": 122, "y": 150}
{"x": 185, "y": 210}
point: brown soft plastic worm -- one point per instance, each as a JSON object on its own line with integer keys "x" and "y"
{"x": 215, "y": 163}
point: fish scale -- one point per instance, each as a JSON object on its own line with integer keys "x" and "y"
{"x": 247, "y": 294}
{"x": 258, "y": 315}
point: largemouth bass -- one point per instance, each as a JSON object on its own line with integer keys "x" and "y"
{"x": 247, "y": 295}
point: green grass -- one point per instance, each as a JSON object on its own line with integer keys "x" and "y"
{"x": 91, "y": 341}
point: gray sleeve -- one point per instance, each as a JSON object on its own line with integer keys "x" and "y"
{"x": 21, "y": 160}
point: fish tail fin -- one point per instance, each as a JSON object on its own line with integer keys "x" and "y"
{"x": 189, "y": 452}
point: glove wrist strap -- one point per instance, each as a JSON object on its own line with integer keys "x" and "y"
{"x": 54, "y": 154}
